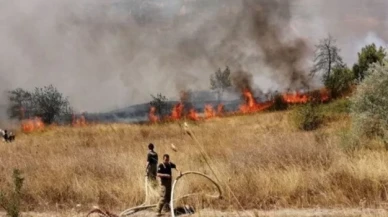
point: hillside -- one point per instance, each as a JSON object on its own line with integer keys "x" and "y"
{"x": 263, "y": 158}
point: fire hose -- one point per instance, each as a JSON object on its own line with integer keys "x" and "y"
{"x": 143, "y": 206}
{"x": 208, "y": 162}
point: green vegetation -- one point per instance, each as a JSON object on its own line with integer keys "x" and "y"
{"x": 47, "y": 103}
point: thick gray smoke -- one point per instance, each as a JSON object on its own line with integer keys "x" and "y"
{"x": 107, "y": 54}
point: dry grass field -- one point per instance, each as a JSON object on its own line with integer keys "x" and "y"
{"x": 265, "y": 160}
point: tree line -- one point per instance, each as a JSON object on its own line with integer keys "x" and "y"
{"x": 50, "y": 105}
{"x": 337, "y": 77}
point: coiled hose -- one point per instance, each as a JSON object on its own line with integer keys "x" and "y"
{"x": 143, "y": 206}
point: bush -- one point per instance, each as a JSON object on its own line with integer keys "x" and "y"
{"x": 370, "y": 105}
{"x": 279, "y": 103}
{"x": 339, "y": 82}
{"x": 11, "y": 202}
{"x": 307, "y": 117}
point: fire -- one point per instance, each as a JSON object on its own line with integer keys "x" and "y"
{"x": 295, "y": 98}
{"x": 34, "y": 124}
{"x": 299, "y": 98}
{"x": 220, "y": 109}
{"x": 193, "y": 115}
{"x": 79, "y": 122}
{"x": 209, "y": 112}
{"x": 177, "y": 111}
{"x": 152, "y": 117}
{"x": 251, "y": 104}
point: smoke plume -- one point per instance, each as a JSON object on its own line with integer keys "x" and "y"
{"x": 106, "y": 55}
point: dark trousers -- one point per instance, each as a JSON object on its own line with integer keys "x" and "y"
{"x": 151, "y": 174}
{"x": 165, "y": 195}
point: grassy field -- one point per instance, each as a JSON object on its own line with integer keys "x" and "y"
{"x": 263, "y": 158}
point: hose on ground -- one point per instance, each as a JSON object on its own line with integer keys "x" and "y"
{"x": 143, "y": 206}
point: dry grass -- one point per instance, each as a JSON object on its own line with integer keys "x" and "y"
{"x": 266, "y": 162}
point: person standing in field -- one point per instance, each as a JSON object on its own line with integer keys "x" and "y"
{"x": 164, "y": 172}
{"x": 152, "y": 162}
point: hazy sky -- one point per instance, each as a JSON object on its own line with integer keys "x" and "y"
{"x": 107, "y": 54}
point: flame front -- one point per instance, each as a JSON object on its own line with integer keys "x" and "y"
{"x": 152, "y": 117}
{"x": 251, "y": 104}
{"x": 79, "y": 122}
{"x": 33, "y": 124}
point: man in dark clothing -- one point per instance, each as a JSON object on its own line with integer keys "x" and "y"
{"x": 152, "y": 162}
{"x": 164, "y": 172}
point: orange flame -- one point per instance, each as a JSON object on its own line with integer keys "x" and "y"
{"x": 209, "y": 112}
{"x": 251, "y": 104}
{"x": 152, "y": 117}
{"x": 193, "y": 115}
{"x": 177, "y": 111}
{"x": 220, "y": 109}
{"x": 31, "y": 125}
{"x": 79, "y": 122}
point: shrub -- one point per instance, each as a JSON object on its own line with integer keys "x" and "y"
{"x": 370, "y": 104}
{"x": 279, "y": 103}
{"x": 307, "y": 117}
{"x": 11, "y": 202}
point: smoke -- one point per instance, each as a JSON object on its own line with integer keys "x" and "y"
{"x": 106, "y": 55}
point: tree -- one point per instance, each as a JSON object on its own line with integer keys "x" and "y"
{"x": 368, "y": 55}
{"x": 370, "y": 104}
{"x": 47, "y": 103}
{"x": 340, "y": 81}
{"x": 219, "y": 81}
{"x": 20, "y": 103}
{"x": 159, "y": 102}
{"x": 326, "y": 57}
{"x": 50, "y": 104}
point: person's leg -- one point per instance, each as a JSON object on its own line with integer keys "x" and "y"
{"x": 168, "y": 196}
{"x": 152, "y": 176}
{"x": 162, "y": 199}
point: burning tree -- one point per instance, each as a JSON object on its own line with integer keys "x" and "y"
{"x": 159, "y": 104}
{"x": 47, "y": 103}
{"x": 219, "y": 81}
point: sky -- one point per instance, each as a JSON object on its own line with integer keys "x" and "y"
{"x": 108, "y": 54}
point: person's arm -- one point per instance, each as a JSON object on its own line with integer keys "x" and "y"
{"x": 174, "y": 166}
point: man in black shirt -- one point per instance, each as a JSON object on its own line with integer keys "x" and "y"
{"x": 164, "y": 172}
{"x": 152, "y": 162}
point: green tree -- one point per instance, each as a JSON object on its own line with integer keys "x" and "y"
{"x": 368, "y": 55}
{"x": 219, "y": 81}
{"x": 159, "y": 102}
{"x": 340, "y": 81}
{"x": 50, "y": 104}
{"x": 20, "y": 103}
{"x": 47, "y": 103}
{"x": 326, "y": 58}
{"x": 370, "y": 104}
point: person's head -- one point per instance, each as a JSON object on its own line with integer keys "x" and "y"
{"x": 151, "y": 146}
{"x": 166, "y": 158}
